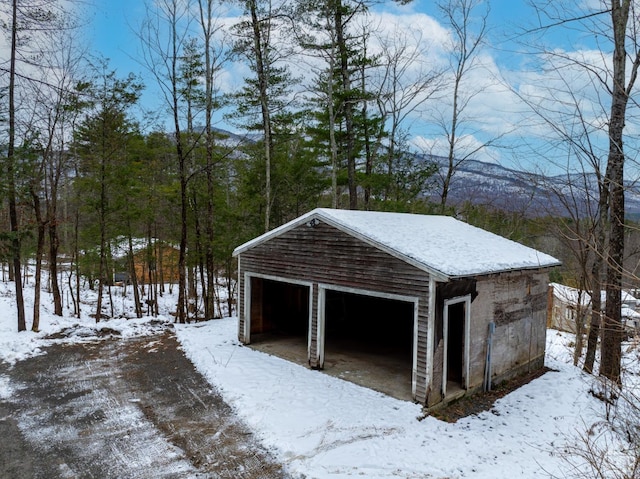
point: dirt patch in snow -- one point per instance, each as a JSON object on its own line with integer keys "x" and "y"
{"x": 122, "y": 408}
{"x": 484, "y": 401}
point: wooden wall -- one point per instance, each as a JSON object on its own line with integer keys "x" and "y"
{"x": 515, "y": 301}
{"x": 325, "y": 255}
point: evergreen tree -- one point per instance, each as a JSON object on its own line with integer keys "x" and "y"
{"x": 347, "y": 120}
{"x": 101, "y": 145}
{"x": 268, "y": 93}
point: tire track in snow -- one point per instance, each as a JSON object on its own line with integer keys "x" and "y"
{"x": 123, "y": 409}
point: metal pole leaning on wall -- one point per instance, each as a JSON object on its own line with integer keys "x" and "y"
{"x": 487, "y": 368}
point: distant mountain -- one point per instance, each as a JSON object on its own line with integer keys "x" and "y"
{"x": 234, "y": 139}
{"x": 508, "y": 189}
{"x": 533, "y": 194}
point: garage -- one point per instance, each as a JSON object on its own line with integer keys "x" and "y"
{"x": 368, "y": 338}
{"x": 396, "y": 302}
{"x": 279, "y": 308}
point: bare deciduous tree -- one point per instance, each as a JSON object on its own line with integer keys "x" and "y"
{"x": 610, "y": 82}
{"x": 626, "y": 50}
{"x": 163, "y": 36}
{"x": 406, "y": 84}
{"x": 469, "y": 29}
{"x": 28, "y": 23}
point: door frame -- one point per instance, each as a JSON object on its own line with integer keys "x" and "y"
{"x": 445, "y": 334}
{"x": 247, "y": 302}
{"x": 322, "y": 293}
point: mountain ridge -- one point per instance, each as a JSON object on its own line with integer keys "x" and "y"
{"x": 533, "y": 194}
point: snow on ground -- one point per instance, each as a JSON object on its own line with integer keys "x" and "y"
{"x": 16, "y": 346}
{"x": 323, "y": 427}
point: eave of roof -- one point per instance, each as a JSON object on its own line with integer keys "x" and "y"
{"x": 336, "y": 218}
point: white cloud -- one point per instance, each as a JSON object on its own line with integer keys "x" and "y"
{"x": 466, "y": 145}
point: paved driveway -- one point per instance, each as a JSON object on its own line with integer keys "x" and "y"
{"x": 119, "y": 408}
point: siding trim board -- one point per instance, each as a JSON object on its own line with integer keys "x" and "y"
{"x": 369, "y": 292}
{"x": 414, "y": 352}
{"x": 322, "y": 301}
{"x": 247, "y": 309}
{"x": 431, "y": 321}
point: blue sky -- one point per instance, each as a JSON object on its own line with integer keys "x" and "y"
{"x": 495, "y": 112}
{"x": 110, "y": 32}
{"x": 111, "y": 25}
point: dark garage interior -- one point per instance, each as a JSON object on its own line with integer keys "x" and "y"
{"x": 369, "y": 324}
{"x": 368, "y": 340}
{"x": 279, "y": 308}
{"x": 455, "y": 340}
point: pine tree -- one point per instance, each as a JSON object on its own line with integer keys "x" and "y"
{"x": 101, "y": 141}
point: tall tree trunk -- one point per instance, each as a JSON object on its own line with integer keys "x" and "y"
{"x": 347, "y": 104}
{"x": 198, "y": 266}
{"x": 182, "y": 256}
{"x": 332, "y": 136}
{"x": 369, "y": 154}
{"x": 596, "y": 305}
{"x": 263, "y": 91}
{"x": 230, "y": 287}
{"x": 102, "y": 269}
{"x": 612, "y": 331}
{"x": 52, "y": 228}
{"x": 208, "y": 283}
{"x": 54, "y": 243}
{"x": 101, "y": 273}
{"x": 579, "y": 324}
{"x": 11, "y": 180}
{"x": 134, "y": 278}
{"x": 35, "y": 327}
{"x": 54, "y": 240}
{"x": 452, "y": 140}
{"x": 181, "y": 310}
{"x": 76, "y": 255}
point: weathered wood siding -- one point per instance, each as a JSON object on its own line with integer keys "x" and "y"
{"x": 517, "y": 303}
{"x": 326, "y": 255}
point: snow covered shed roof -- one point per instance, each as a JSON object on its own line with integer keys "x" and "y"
{"x": 570, "y": 295}
{"x": 440, "y": 245}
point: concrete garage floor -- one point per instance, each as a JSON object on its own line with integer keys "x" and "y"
{"x": 387, "y": 373}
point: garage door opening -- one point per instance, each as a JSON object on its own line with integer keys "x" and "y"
{"x": 369, "y": 341}
{"x": 280, "y": 318}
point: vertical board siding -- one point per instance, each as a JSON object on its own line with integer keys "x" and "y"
{"x": 324, "y": 254}
{"x": 516, "y": 302}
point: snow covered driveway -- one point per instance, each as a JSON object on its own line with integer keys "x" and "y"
{"x": 121, "y": 408}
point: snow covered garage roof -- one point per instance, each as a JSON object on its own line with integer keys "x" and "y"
{"x": 441, "y": 245}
